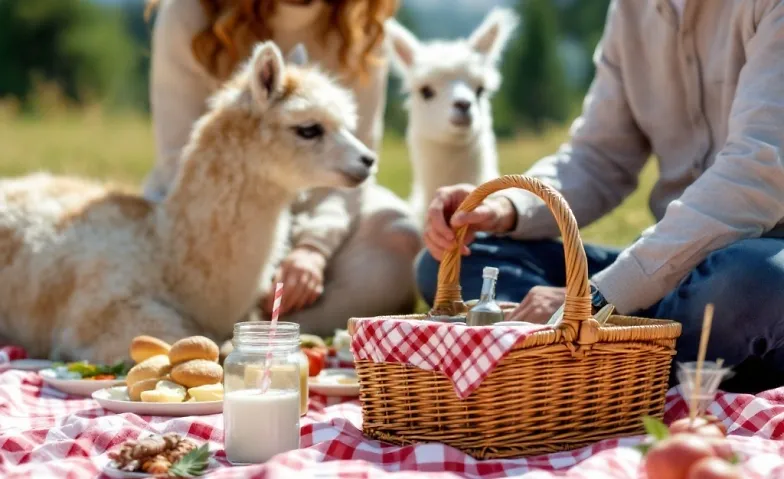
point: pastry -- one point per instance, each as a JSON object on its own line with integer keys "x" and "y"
{"x": 208, "y": 392}
{"x": 193, "y": 347}
{"x": 151, "y": 368}
{"x": 144, "y": 347}
{"x": 135, "y": 391}
{"x": 165, "y": 391}
{"x": 197, "y": 372}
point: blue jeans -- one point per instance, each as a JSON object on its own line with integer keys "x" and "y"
{"x": 745, "y": 282}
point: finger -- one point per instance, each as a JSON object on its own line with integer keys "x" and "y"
{"x": 521, "y": 313}
{"x": 436, "y": 245}
{"x": 481, "y": 217}
{"x": 292, "y": 291}
{"x": 304, "y": 298}
{"x": 436, "y": 220}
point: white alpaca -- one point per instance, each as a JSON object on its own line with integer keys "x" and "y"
{"x": 450, "y": 124}
{"x": 84, "y": 269}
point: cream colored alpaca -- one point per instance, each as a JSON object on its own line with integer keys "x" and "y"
{"x": 450, "y": 123}
{"x": 83, "y": 269}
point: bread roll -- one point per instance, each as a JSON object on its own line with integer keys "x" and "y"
{"x": 144, "y": 347}
{"x": 193, "y": 347}
{"x": 152, "y": 368}
{"x": 135, "y": 391}
{"x": 197, "y": 372}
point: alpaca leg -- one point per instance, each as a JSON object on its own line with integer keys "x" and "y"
{"x": 111, "y": 339}
{"x": 372, "y": 274}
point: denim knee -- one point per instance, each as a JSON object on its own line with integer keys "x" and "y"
{"x": 426, "y": 273}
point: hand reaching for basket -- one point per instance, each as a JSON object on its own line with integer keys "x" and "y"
{"x": 538, "y": 305}
{"x": 494, "y": 215}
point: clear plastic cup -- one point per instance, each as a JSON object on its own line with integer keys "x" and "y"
{"x": 710, "y": 377}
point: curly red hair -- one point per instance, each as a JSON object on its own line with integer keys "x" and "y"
{"x": 236, "y": 25}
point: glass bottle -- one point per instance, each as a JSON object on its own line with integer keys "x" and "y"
{"x": 486, "y": 312}
{"x": 259, "y": 425}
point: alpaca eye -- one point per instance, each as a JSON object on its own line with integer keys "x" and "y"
{"x": 427, "y": 92}
{"x": 309, "y": 132}
{"x": 479, "y": 91}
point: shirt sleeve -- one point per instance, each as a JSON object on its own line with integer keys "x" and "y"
{"x": 179, "y": 88}
{"x": 600, "y": 164}
{"x": 738, "y": 197}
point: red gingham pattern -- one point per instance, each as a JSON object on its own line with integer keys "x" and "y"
{"x": 45, "y": 433}
{"x": 11, "y": 353}
{"x": 465, "y": 355}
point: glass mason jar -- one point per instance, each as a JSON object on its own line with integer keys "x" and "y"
{"x": 260, "y": 424}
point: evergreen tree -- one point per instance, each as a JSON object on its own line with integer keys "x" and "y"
{"x": 534, "y": 83}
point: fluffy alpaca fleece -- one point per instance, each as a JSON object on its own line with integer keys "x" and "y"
{"x": 84, "y": 269}
{"x": 450, "y": 83}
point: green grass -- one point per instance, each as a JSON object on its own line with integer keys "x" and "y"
{"x": 121, "y": 149}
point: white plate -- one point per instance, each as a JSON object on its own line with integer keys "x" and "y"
{"x": 77, "y": 387}
{"x": 180, "y": 409}
{"x": 27, "y": 365}
{"x": 115, "y": 473}
{"x": 326, "y": 383}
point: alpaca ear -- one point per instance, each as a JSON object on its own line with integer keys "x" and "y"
{"x": 402, "y": 45}
{"x": 298, "y": 55}
{"x": 267, "y": 71}
{"x": 492, "y": 35}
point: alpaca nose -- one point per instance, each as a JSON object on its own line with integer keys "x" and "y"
{"x": 367, "y": 160}
{"x": 462, "y": 105}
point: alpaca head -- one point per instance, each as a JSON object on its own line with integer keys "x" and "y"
{"x": 296, "y": 122}
{"x": 450, "y": 82}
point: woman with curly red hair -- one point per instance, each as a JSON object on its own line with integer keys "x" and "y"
{"x": 351, "y": 251}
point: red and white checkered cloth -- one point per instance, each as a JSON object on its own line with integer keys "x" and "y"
{"x": 466, "y": 355}
{"x": 10, "y": 353}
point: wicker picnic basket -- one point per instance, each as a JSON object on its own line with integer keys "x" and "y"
{"x": 559, "y": 389}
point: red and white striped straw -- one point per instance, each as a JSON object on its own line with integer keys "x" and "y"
{"x": 265, "y": 382}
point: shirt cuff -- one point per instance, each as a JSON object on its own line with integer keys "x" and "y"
{"x": 625, "y": 285}
{"x": 317, "y": 244}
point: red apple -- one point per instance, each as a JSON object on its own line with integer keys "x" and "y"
{"x": 673, "y": 457}
{"x": 703, "y": 426}
{"x": 713, "y": 468}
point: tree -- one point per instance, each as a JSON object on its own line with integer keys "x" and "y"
{"x": 584, "y": 21}
{"x": 80, "y": 46}
{"x": 534, "y": 83}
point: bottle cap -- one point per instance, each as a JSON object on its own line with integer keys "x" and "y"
{"x": 490, "y": 272}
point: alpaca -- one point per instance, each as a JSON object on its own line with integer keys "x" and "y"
{"x": 450, "y": 125}
{"x": 84, "y": 269}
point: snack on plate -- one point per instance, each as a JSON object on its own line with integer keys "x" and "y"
{"x": 135, "y": 391}
{"x": 208, "y": 392}
{"x": 165, "y": 391}
{"x": 84, "y": 370}
{"x": 167, "y": 455}
{"x": 197, "y": 372}
{"x": 144, "y": 347}
{"x": 193, "y": 347}
{"x": 152, "y": 368}
{"x": 316, "y": 351}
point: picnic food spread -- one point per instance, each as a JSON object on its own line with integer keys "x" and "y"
{"x": 166, "y": 455}
{"x": 186, "y": 371}
{"x": 85, "y": 370}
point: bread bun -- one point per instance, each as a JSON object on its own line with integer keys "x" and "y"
{"x": 151, "y": 368}
{"x": 135, "y": 391}
{"x": 145, "y": 347}
{"x": 197, "y": 372}
{"x": 193, "y": 347}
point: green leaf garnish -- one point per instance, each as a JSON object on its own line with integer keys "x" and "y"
{"x": 192, "y": 464}
{"x": 655, "y": 428}
{"x": 643, "y": 448}
{"x": 734, "y": 459}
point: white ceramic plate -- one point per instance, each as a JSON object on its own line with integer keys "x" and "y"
{"x": 77, "y": 387}
{"x": 326, "y": 383}
{"x": 180, "y": 409}
{"x": 115, "y": 473}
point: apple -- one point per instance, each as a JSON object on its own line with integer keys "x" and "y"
{"x": 706, "y": 426}
{"x": 673, "y": 457}
{"x": 713, "y": 468}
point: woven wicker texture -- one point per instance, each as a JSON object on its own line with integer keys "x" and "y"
{"x": 559, "y": 389}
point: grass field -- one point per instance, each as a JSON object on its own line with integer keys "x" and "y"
{"x": 120, "y": 148}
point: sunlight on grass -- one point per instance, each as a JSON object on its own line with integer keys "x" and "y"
{"x": 121, "y": 149}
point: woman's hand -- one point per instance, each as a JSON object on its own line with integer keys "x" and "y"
{"x": 493, "y": 215}
{"x": 539, "y": 304}
{"x": 302, "y": 275}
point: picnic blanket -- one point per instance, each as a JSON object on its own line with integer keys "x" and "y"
{"x": 45, "y": 433}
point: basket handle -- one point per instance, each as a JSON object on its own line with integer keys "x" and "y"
{"x": 577, "y": 305}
